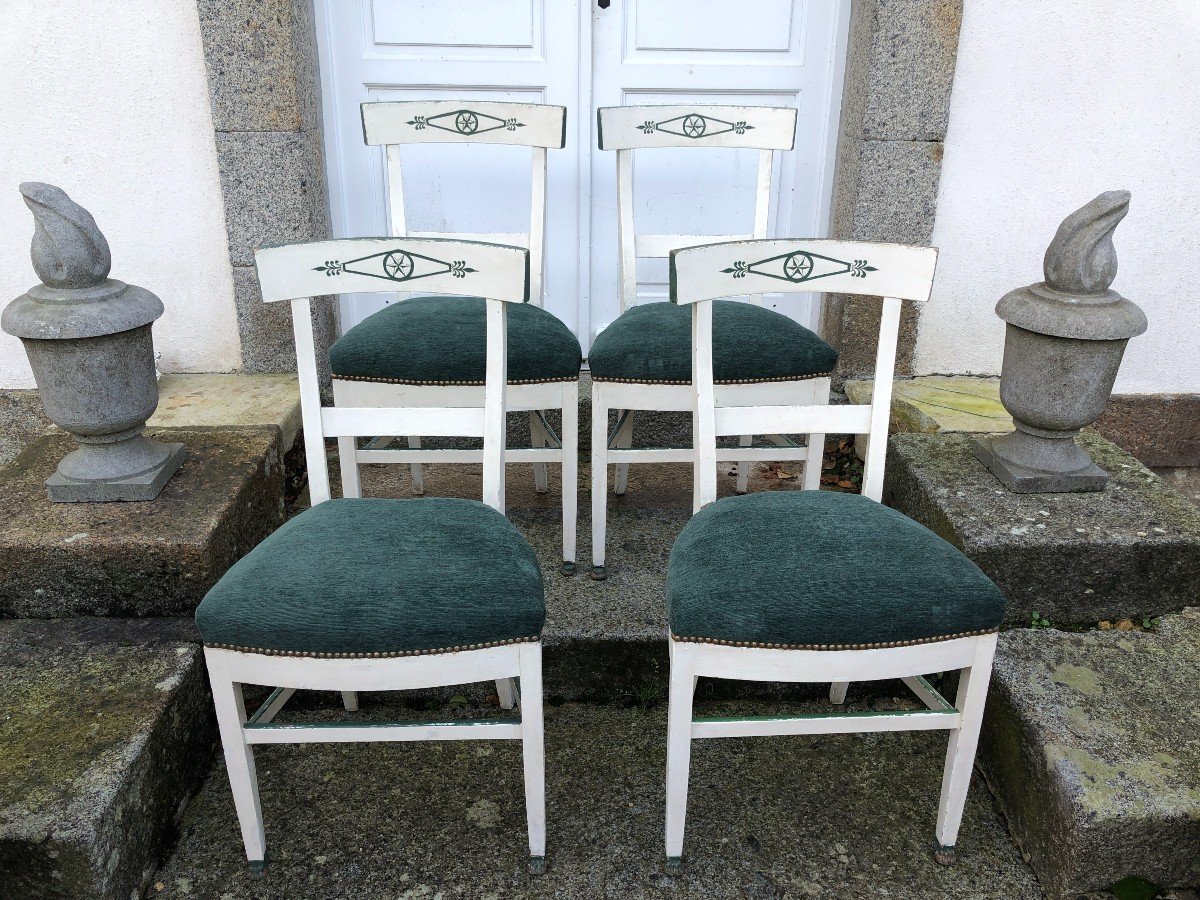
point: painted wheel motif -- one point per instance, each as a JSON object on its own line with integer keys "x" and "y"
{"x": 694, "y": 126}
{"x": 798, "y": 267}
{"x": 467, "y": 122}
{"x": 398, "y": 265}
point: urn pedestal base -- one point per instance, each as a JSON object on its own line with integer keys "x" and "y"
{"x": 143, "y": 486}
{"x": 1022, "y": 480}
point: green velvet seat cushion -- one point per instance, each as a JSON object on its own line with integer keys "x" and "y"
{"x": 652, "y": 343}
{"x": 816, "y": 568}
{"x": 443, "y": 340}
{"x": 357, "y": 577}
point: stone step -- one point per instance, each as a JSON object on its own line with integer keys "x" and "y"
{"x": 136, "y": 559}
{"x": 1129, "y": 551}
{"x": 835, "y": 816}
{"x": 1091, "y": 746}
{"x": 184, "y": 401}
{"x": 106, "y": 731}
{"x": 935, "y": 404}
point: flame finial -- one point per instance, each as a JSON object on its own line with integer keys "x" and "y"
{"x": 1081, "y": 259}
{"x": 68, "y": 249}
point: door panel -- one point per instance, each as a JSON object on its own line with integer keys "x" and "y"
{"x": 713, "y": 27}
{"x": 486, "y": 50}
{"x": 754, "y": 52}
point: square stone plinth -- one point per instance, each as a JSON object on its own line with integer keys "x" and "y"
{"x": 1129, "y": 551}
{"x": 136, "y": 559}
{"x": 106, "y": 731}
{"x": 1090, "y": 746}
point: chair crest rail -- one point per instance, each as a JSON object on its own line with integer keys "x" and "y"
{"x": 729, "y": 269}
{"x": 464, "y": 121}
{"x": 431, "y": 265}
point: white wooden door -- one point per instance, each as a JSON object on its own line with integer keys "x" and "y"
{"x": 748, "y": 52}
{"x": 578, "y": 55}
{"x": 517, "y": 50}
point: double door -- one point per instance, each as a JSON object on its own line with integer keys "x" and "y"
{"x": 579, "y": 55}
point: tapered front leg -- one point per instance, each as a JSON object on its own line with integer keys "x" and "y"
{"x": 570, "y": 473}
{"x": 239, "y": 763}
{"x": 960, "y": 753}
{"x": 679, "y": 747}
{"x": 599, "y": 478}
{"x": 533, "y": 753}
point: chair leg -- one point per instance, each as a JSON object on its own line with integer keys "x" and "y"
{"x": 537, "y": 440}
{"x": 350, "y": 700}
{"x": 624, "y": 442}
{"x": 570, "y": 472}
{"x": 504, "y": 690}
{"x": 837, "y": 692}
{"x": 960, "y": 754}
{"x": 812, "y": 465}
{"x": 599, "y": 479}
{"x": 239, "y": 762}
{"x": 679, "y": 747}
{"x": 415, "y": 470}
{"x": 743, "y": 466}
{"x": 533, "y": 753}
{"x": 348, "y": 463}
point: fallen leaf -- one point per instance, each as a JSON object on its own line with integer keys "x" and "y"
{"x": 1105, "y": 626}
{"x": 1125, "y": 625}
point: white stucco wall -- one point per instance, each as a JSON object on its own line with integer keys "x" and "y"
{"x": 108, "y": 99}
{"x": 1054, "y": 103}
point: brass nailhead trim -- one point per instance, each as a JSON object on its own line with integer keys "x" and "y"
{"x": 884, "y": 645}
{"x": 734, "y": 381}
{"x": 391, "y": 655}
{"x": 450, "y": 383}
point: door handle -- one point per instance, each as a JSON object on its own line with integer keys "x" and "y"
{"x": 603, "y": 4}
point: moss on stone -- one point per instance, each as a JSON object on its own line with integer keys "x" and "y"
{"x": 62, "y": 717}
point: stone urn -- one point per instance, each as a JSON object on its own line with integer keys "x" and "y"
{"x": 89, "y": 344}
{"x": 1062, "y": 349}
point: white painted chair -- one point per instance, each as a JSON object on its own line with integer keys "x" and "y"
{"x": 815, "y": 586}
{"x": 641, "y": 361}
{"x": 440, "y": 361}
{"x": 383, "y": 595}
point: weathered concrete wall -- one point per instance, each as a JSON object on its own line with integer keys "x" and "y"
{"x": 108, "y": 99}
{"x": 1052, "y": 104}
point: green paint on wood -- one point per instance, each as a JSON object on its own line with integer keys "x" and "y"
{"x": 800, "y": 266}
